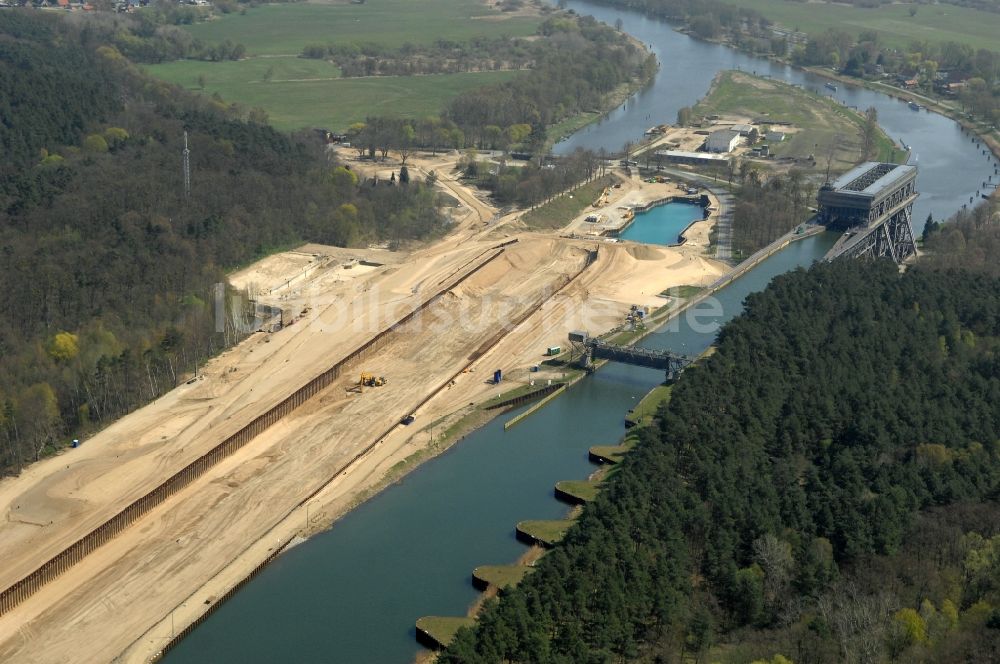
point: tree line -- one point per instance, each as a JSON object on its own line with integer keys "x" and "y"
{"x": 577, "y": 64}
{"x": 444, "y": 56}
{"x": 531, "y": 183}
{"x": 153, "y": 35}
{"x": 110, "y": 269}
{"x": 779, "y": 506}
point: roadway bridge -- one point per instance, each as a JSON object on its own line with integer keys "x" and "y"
{"x": 595, "y": 349}
{"x": 873, "y": 205}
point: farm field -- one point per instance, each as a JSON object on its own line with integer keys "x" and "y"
{"x": 298, "y": 92}
{"x": 934, "y": 23}
{"x": 286, "y": 28}
{"x": 317, "y": 97}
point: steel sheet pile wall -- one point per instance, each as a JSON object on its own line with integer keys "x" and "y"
{"x": 591, "y": 258}
{"x": 27, "y": 586}
{"x": 177, "y": 638}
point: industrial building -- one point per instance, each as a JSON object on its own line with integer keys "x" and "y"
{"x": 723, "y": 140}
{"x": 686, "y": 157}
{"x": 748, "y": 131}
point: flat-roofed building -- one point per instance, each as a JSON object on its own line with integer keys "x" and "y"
{"x": 723, "y": 140}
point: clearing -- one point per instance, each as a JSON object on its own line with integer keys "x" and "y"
{"x": 819, "y": 124}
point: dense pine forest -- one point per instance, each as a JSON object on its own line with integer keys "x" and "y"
{"x": 109, "y": 268}
{"x": 822, "y": 489}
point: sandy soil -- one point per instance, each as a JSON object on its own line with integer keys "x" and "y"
{"x": 160, "y": 574}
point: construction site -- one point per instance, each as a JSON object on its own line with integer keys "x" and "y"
{"x": 113, "y": 548}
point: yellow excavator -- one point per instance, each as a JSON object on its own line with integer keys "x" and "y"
{"x": 371, "y": 380}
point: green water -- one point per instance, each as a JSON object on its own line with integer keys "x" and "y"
{"x": 662, "y": 224}
{"x": 352, "y": 595}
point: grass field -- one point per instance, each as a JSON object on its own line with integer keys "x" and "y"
{"x": 824, "y": 123}
{"x": 935, "y": 23}
{"x": 560, "y": 211}
{"x": 548, "y": 532}
{"x": 613, "y": 452}
{"x": 584, "y": 490}
{"x": 286, "y": 28}
{"x": 316, "y": 98}
{"x": 502, "y": 576}
{"x": 443, "y": 628}
{"x": 298, "y": 92}
{"x": 644, "y": 412}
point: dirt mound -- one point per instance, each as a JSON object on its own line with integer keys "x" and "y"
{"x": 644, "y": 252}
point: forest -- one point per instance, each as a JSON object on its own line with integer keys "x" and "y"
{"x": 110, "y": 266}
{"x": 768, "y": 207}
{"x": 970, "y": 240}
{"x": 821, "y": 489}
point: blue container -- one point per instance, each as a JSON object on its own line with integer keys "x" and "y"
{"x": 497, "y": 376}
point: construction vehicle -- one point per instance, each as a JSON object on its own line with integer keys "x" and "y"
{"x": 371, "y": 380}
{"x": 367, "y": 380}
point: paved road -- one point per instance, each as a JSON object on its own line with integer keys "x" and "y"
{"x": 724, "y": 229}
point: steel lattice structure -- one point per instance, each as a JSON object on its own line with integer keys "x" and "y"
{"x": 873, "y": 205}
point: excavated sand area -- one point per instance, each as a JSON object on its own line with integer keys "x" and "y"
{"x": 95, "y": 610}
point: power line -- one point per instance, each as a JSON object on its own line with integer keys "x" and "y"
{"x": 187, "y": 168}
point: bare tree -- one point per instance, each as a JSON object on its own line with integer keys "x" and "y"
{"x": 774, "y": 557}
{"x": 832, "y": 152}
{"x": 870, "y": 133}
{"x": 859, "y": 621}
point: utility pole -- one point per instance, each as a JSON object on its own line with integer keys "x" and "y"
{"x": 187, "y": 168}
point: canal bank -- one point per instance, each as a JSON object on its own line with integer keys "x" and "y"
{"x": 353, "y": 593}
{"x": 407, "y": 552}
{"x": 951, "y": 166}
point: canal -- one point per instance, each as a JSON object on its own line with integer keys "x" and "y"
{"x": 352, "y": 594}
{"x": 952, "y": 167}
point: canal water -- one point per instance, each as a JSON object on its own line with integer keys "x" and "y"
{"x": 662, "y": 224}
{"x": 352, "y": 594}
{"x": 952, "y": 168}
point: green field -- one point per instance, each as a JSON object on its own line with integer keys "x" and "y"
{"x": 316, "y": 98}
{"x": 298, "y": 92}
{"x": 584, "y": 490}
{"x": 286, "y": 28}
{"x": 561, "y": 210}
{"x": 443, "y": 628}
{"x": 549, "y": 532}
{"x": 614, "y": 453}
{"x": 935, "y": 23}
{"x": 644, "y": 412}
{"x": 824, "y": 124}
{"x": 502, "y": 576}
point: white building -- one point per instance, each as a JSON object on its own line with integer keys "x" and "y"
{"x": 684, "y": 157}
{"x": 723, "y": 140}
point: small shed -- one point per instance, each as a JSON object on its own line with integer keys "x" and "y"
{"x": 748, "y": 131}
